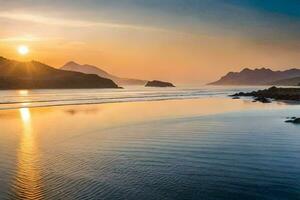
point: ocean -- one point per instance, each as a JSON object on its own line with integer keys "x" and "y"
{"x": 141, "y": 143}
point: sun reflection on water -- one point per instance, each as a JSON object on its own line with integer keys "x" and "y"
{"x": 28, "y": 180}
{"x": 25, "y": 116}
{"x": 23, "y": 92}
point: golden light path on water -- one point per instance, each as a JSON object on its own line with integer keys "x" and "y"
{"x": 28, "y": 180}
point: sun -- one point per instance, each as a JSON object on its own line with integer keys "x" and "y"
{"x": 23, "y": 49}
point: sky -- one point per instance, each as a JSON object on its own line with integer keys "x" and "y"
{"x": 183, "y": 41}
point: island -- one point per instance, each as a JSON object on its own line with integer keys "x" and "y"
{"x": 157, "y": 83}
{"x": 36, "y": 75}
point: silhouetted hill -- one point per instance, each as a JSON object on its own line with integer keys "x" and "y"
{"x": 261, "y": 76}
{"x": 156, "y": 83}
{"x": 36, "y": 75}
{"x": 90, "y": 69}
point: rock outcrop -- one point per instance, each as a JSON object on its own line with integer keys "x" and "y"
{"x": 157, "y": 83}
{"x": 292, "y": 94}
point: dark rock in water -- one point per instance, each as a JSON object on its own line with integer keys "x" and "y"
{"x": 235, "y": 97}
{"x": 291, "y": 117}
{"x": 297, "y": 121}
{"x": 293, "y": 120}
{"x": 262, "y": 99}
{"x": 292, "y": 94}
{"x": 156, "y": 83}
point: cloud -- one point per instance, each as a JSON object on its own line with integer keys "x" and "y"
{"x": 26, "y": 38}
{"x": 71, "y": 22}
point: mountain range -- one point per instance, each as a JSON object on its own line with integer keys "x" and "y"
{"x": 262, "y": 76}
{"x": 90, "y": 69}
{"x": 36, "y": 75}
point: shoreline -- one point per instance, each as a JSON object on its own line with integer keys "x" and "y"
{"x": 46, "y": 98}
{"x": 213, "y": 98}
{"x": 155, "y": 108}
{"x": 96, "y": 103}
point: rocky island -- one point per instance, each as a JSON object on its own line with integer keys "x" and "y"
{"x": 293, "y": 120}
{"x": 157, "y": 83}
{"x": 291, "y": 94}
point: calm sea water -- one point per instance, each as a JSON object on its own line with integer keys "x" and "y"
{"x": 211, "y": 147}
{"x": 35, "y": 98}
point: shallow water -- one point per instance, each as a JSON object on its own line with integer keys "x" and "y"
{"x": 37, "y": 98}
{"x": 208, "y": 148}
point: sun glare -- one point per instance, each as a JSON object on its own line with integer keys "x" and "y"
{"x": 23, "y": 92}
{"x": 25, "y": 114}
{"x": 23, "y": 49}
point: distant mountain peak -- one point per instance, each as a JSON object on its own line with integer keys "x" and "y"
{"x": 91, "y": 69}
{"x": 71, "y": 63}
{"x": 85, "y": 68}
{"x": 262, "y": 69}
{"x": 246, "y": 70}
{"x": 256, "y": 76}
{"x": 2, "y": 59}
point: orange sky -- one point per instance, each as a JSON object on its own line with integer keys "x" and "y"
{"x": 181, "y": 49}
